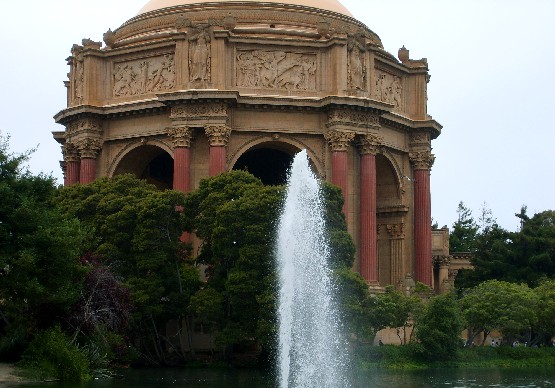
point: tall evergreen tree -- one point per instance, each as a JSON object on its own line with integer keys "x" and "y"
{"x": 464, "y": 231}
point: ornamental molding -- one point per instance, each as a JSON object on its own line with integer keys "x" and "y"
{"x": 218, "y": 135}
{"x": 369, "y": 144}
{"x": 396, "y": 231}
{"x": 422, "y": 160}
{"x": 181, "y": 136}
{"x": 339, "y": 140}
{"x": 441, "y": 261}
{"x": 353, "y": 118}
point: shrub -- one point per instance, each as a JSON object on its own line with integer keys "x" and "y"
{"x": 52, "y": 355}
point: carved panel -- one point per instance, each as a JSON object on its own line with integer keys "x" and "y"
{"x": 389, "y": 88}
{"x": 145, "y": 75}
{"x": 276, "y": 70}
{"x": 199, "y": 54}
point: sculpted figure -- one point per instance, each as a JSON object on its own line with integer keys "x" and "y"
{"x": 199, "y": 55}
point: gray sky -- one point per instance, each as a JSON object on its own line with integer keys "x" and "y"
{"x": 492, "y": 88}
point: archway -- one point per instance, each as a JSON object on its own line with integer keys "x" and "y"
{"x": 150, "y": 163}
{"x": 268, "y": 162}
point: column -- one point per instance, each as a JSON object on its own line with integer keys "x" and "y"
{"x": 71, "y": 159}
{"x": 218, "y": 136}
{"x": 339, "y": 143}
{"x": 422, "y": 216}
{"x": 368, "y": 236}
{"x": 88, "y": 149}
{"x": 181, "y": 137}
{"x": 396, "y": 238}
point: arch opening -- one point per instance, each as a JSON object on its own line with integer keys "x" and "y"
{"x": 268, "y": 163}
{"x": 150, "y": 163}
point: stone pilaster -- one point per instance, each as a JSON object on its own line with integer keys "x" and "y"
{"x": 396, "y": 238}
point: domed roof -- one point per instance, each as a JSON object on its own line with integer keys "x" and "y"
{"x": 329, "y": 5}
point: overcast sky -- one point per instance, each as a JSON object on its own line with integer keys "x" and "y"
{"x": 492, "y": 88}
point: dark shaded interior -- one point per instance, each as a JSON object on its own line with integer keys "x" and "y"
{"x": 268, "y": 164}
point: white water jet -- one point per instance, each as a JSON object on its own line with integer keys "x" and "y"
{"x": 312, "y": 349}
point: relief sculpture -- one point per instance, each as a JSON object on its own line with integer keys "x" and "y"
{"x": 357, "y": 63}
{"x": 276, "y": 69}
{"x": 199, "y": 54}
{"x": 389, "y": 88}
{"x": 144, "y": 76}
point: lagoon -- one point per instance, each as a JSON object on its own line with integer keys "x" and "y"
{"x": 381, "y": 378}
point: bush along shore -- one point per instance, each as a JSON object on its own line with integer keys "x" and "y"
{"x": 410, "y": 357}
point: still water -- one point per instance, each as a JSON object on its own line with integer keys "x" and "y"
{"x": 217, "y": 378}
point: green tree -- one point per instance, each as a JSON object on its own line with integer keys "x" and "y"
{"x": 497, "y": 305}
{"x": 136, "y": 230}
{"x": 544, "y": 325}
{"x": 40, "y": 274}
{"x": 463, "y": 234}
{"x": 438, "y": 328}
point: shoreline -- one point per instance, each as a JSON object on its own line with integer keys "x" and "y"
{"x": 8, "y": 374}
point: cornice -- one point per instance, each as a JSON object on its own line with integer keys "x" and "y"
{"x": 404, "y": 123}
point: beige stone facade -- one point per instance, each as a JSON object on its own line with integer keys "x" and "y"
{"x": 235, "y": 84}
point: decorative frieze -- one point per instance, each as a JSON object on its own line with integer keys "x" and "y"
{"x": 389, "y": 88}
{"x": 275, "y": 70}
{"x": 141, "y": 76}
{"x": 181, "y": 136}
{"x": 210, "y": 110}
{"x": 218, "y": 135}
{"x": 420, "y": 139}
{"x": 422, "y": 160}
{"x": 339, "y": 140}
{"x": 369, "y": 144}
{"x": 87, "y": 124}
{"x": 356, "y": 66}
{"x": 353, "y": 118}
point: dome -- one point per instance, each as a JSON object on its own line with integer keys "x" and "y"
{"x": 329, "y": 5}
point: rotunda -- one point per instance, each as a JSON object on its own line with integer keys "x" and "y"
{"x": 188, "y": 89}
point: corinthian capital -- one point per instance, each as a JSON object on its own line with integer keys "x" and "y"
{"x": 89, "y": 147}
{"x": 339, "y": 140}
{"x": 181, "y": 136}
{"x": 369, "y": 144}
{"x": 423, "y": 160}
{"x": 218, "y": 135}
{"x": 396, "y": 231}
{"x": 70, "y": 152}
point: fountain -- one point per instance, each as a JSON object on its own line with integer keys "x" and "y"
{"x": 312, "y": 349}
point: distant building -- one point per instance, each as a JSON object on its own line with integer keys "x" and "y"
{"x": 188, "y": 89}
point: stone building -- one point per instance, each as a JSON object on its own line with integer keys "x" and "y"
{"x": 189, "y": 88}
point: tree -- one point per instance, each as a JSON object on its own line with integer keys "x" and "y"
{"x": 135, "y": 229}
{"x": 464, "y": 232}
{"x": 439, "y": 327}
{"x": 40, "y": 274}
{"x": 544, "y": 326}
{"x": 498, "y": 305}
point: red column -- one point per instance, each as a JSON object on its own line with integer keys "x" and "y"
{"x": 181, "y": 169}
{"x": 339, "y": 174}
{"x": 87, "y": 172}
{"x": 368, "y": 244}
{"x": 72, "y": 172}
{"x": 217, "y": 160}
{"x": 218, "y": 136}
{"x": 422, "y": 226}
